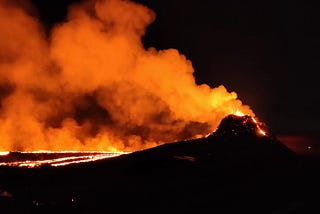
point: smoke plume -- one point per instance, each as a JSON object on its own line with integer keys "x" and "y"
{"x": 91, "y": 85}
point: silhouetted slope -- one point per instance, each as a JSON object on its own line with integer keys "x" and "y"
{"x": 233, "y": 170}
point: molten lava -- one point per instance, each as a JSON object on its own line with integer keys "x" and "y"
{"x": 240, "y": 125}
{"x": 258, "y": 124}
{"x": 49, "y": 158}
{"x": 235, "y": 125}
{"x": 89, "y": 84}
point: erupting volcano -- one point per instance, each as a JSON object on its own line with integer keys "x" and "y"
{"x": 89, "y": 84}
{"x": 149, "y": 138}
{"x": 238, "y": 126}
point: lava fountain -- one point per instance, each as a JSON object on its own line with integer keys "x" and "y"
{"x": 89, "y": 84}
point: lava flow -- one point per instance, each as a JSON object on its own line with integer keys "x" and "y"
{"x": 237, "y": 124}
{"x": 258, "y": 124}
{"x": 49, "y": 158}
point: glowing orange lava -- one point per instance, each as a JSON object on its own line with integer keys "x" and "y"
{"x": 4, "y": 153}
{"x": 73, "y": 157}
{"x": 258, "y": 124}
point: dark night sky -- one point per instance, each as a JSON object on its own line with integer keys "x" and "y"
{"x": 266, "y": 51}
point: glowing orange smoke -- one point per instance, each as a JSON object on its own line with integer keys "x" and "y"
{"x": 91, "y": 85}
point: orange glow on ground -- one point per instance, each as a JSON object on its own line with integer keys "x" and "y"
{"x": 73, "y": 157}
{"x": 302, "y": 144}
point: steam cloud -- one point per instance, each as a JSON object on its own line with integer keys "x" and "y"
{"x": 91, "y": 85}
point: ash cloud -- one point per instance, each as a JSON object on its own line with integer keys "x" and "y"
{"x": 91, "y": 85}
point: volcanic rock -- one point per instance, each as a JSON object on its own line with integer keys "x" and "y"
{"x": 233, "y": 170}
{"x": 237, "y": 126}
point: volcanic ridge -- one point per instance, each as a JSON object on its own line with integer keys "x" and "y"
{"x": 233, "y": 169}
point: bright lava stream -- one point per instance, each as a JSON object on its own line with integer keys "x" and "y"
{"x": 50, "y": 158}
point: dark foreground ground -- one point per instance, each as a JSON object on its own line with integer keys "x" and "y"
{"x": 217, "y": 174}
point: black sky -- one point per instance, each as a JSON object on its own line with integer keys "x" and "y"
{"x": 266, "y": 51}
